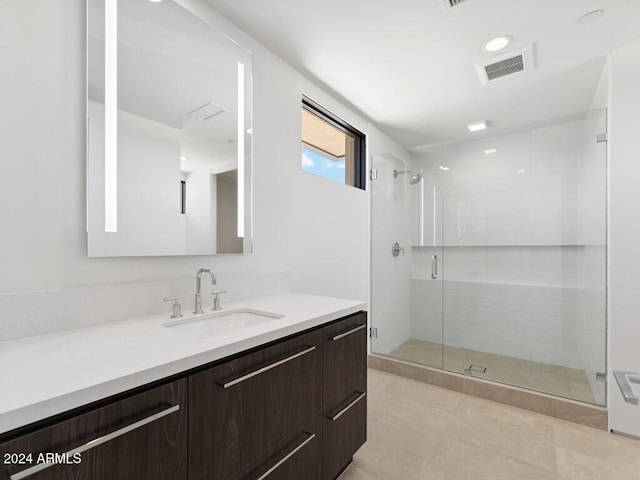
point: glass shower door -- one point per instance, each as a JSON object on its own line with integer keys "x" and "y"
{"x": 427, "y": 272}
{"x": 407, "y": 262}
{"x": 524, "y": 233}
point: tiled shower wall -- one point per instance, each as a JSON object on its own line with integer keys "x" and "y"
{"x": 490, "y": 307}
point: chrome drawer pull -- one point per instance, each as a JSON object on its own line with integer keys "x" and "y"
{"x": 98, "y": 441}
{"x": 345, "y": 409}
{"x": 268, "y": 367}
{"x": 349, "y": 332}
{"x": 288, "y": 456}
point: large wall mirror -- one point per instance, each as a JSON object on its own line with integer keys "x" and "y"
{"x": 169, "y": 133}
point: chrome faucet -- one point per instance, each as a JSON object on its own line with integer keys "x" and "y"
{"x": 198, "y": 308}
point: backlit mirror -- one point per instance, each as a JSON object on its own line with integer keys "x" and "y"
{"x": 169, "y": 133}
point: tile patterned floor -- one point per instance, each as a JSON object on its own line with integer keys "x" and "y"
{"x": 420, "y": 432}
{"x": 542, "y": 377}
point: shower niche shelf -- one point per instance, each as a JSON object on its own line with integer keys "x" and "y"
{"x": 536, "y": 245}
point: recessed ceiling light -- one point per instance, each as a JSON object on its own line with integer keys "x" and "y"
{"x": 522, "y": 170}
{"x": 442, "y": 167}
{"x": 155, "y": 1}
{"x": 591, "y": 16}
{"x": 183, "y": 158}
{"x": 490, "y": 151}
{"x": 477, "y": 126}
{"x": 497, "y": 44}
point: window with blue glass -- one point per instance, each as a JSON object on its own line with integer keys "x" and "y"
{"x": 332, "y": 148}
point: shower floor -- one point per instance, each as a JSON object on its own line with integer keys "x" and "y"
{"x": 562, "y": 381}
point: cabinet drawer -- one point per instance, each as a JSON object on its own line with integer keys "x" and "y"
{"x": 142, "y": 437}
{"x": 344, "y": 431}
{"x": 345, "y": 356}
{"x": 297, "y": 456}
{"x": 242, "y": 407}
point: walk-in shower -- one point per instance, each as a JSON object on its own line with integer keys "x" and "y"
{"x": 517, "y": 223}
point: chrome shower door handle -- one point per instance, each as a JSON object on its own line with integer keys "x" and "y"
{"x": 434, "y": 267}
{"x": 624, "y": 380}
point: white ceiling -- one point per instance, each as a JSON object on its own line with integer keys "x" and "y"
{"x": 409, "y": 64}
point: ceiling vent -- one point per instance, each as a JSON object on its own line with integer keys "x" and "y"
{"x": 506, "y": 64}
{"x": 207, "y": 111}
{"x": 504, "y": 67}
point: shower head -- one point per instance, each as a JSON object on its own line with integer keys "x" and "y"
{"x": 414, "y": 178}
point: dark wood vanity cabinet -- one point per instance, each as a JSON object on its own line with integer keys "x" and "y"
{"x": 296, "y": 457}
{"x": 291, "y": 410}
{"x": 345, "y": 389}
{"x": 344, "y": 431}
{"x": 241, "y": 408}
{"x": 143, "y": 437}
{"x": 345, "y": 355}
{"x": 295, "y": 410}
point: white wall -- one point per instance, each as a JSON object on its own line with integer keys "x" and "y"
{"x": 329, "y": 244}
{"x": 43, "y": 249}
{"x": 624, "y": 233}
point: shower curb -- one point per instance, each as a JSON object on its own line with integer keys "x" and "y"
{"x": 562, "y": 408}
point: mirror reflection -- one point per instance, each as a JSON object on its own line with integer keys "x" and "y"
{"x": 169, "y": 133}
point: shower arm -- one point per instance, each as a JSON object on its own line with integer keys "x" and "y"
{"x": 415, "y": 178}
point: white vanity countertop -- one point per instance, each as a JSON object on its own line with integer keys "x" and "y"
{"x": 49, "y": 374}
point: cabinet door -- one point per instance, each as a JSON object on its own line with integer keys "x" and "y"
{"x": 143, "y": 437}
{"x": 238, "y": 409}
{"x": 344, "y": 431}
{"x": 345, "y": 356}
{"x": 298, "y": 456}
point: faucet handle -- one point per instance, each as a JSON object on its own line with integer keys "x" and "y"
{"x": 216, "y": 299}
{"x": 177, "y": 308}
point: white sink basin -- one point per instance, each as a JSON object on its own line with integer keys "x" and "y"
{"x": 222, "y": 322}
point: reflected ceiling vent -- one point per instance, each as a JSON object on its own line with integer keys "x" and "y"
{"x": 207, "y": 111}
{"x": 455, "y": 3}
{"x": 505, "y": 65}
